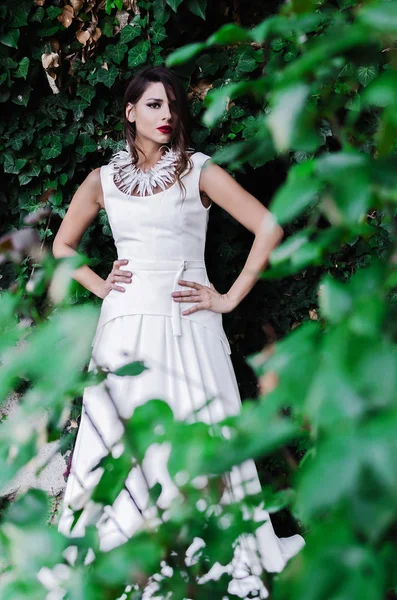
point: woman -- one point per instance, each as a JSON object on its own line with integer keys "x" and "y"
{"x": 159, "y": 307}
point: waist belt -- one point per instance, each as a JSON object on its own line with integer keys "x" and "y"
{"x": 168, "y": 265}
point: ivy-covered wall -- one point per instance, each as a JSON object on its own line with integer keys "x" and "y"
{"x": 65, "y": 67}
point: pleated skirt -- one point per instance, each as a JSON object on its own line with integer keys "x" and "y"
{"x": 185, "y": 371}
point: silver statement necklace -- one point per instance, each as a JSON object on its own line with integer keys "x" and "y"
{"x": 127, "y": 176}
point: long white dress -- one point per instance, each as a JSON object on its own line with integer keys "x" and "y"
{"x": 188, "y": 358}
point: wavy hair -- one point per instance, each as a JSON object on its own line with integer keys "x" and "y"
{"x": 181, "y": 140}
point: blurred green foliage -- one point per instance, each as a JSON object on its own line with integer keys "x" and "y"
{"x": 306, "y": 97}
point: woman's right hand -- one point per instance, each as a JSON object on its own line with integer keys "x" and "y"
{"x": 116, "y": 275}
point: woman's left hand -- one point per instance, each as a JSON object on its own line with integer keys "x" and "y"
{"x": 206, "y": 298}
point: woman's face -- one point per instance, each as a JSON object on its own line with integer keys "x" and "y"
{"x": 151, "y": 112}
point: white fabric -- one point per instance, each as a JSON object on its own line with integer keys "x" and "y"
{"x": 188, "y": 360}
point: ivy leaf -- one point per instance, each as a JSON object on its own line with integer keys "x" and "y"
{"x": 115, "y": 52}
{"x": 107, "y": 76}
{"x": 70, "y": 137}
{"x": 10, "y": 38}
{"x": 48, "y": 28}
{"x": 247, "y": 61}
{"x": 24, "y": 179}
{"x": 23, "y": 97}
{"x": 54, "y": 149}
{"x": 129, "y": 32}
{"x": 53, "y": 12}
{"x": 78, "y": 107}
{"x": 86, "y": 92}
{"x": 85, "y": 144}
{"x": 38, "y": 15}
{"x": 17, "y": 140}
{"x": 138, "y": 54}
{"x": 174, "y": 4}
{"x": 198, "y": 8}
{"x": 107, "y": 27}
{"x": 159, "y": 33}
{"x": 366, "y": 74}
{"x": 20, "y": 15}
{"x": 22, "y": 69}
{"x": 33, "y": 170}
{"x": 13, "y": 166}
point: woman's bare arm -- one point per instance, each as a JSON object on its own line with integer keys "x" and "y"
{"x": 247, "y": 210}
{"x": 84, "y": 207}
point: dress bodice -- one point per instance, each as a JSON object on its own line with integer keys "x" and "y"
{"x": 166, "y": 224}
{"x": 163, "y": 238}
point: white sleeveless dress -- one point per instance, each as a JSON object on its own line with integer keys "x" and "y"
{"x": 188, "y": 358}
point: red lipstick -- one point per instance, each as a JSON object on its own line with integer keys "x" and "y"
{"x": 165, "y": 129}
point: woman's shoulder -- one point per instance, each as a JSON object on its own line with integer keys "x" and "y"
{"x": 199, "y": 158}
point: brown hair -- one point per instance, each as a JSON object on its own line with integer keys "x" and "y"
{"x": 179, "y": 107}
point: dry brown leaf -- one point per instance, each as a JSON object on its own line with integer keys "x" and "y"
{"x": 18, "y": 244}
{"x": 39, "y": 2}
{"x": 83, "y": 37}
{"x": 200, "y": 90}
{"x": 313, "y": 314}
{"x": 131, "y": 5}
{"x": 55, "y": 45}
{"x": 97, "y": 34}
{"x": 77, "y": 4}
{"x": 37, "y": 216}
{"x": 105, "y": 66}
{"x": 66, "y": 17}
{"x": 50, "y": 61}
{"x": 51, "y": 80}
{"x": 123, "y": 17}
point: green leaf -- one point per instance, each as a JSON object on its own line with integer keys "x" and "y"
{"x": 23, "y": 68}
{"x": 348, "y": 174}
{"x": 382, "y": 91}
{"x": 198, "y": 8}
{"x": 247, "y": 61}
{"x": 381, "y": 16}
{"x": 132, "y": 369}
{"x": 85, "y": 144}
{"x": 138, "y": 54}
{"x": 287, "y": 105}
{"x": 217, "y": 100}
{"x": 53, "y": 12}
{"x": 174, "y": 4}
{"x": 335, "y": 299}
{"x": 13, "y": 166}
{"x": 112, "y": 482}
{"x": 130, "y": 32}
{"x": 184, "y": 54}
{"x": 22, "y": 97}
{"x": 228, "y": 34}
{"x": 299, "y": 192}
{"x": 10, "y": 38}
{"x": 86, "y": 92}
{"x": 115, "y": 52}
{"x": 38, "y": 14}
{"x": 107, "y": 76}
{"x": 54, "y": 149}
{"x": 158, "y": 33}
{"x": 366, "y": 74}
{"x": 48, "y": 28}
